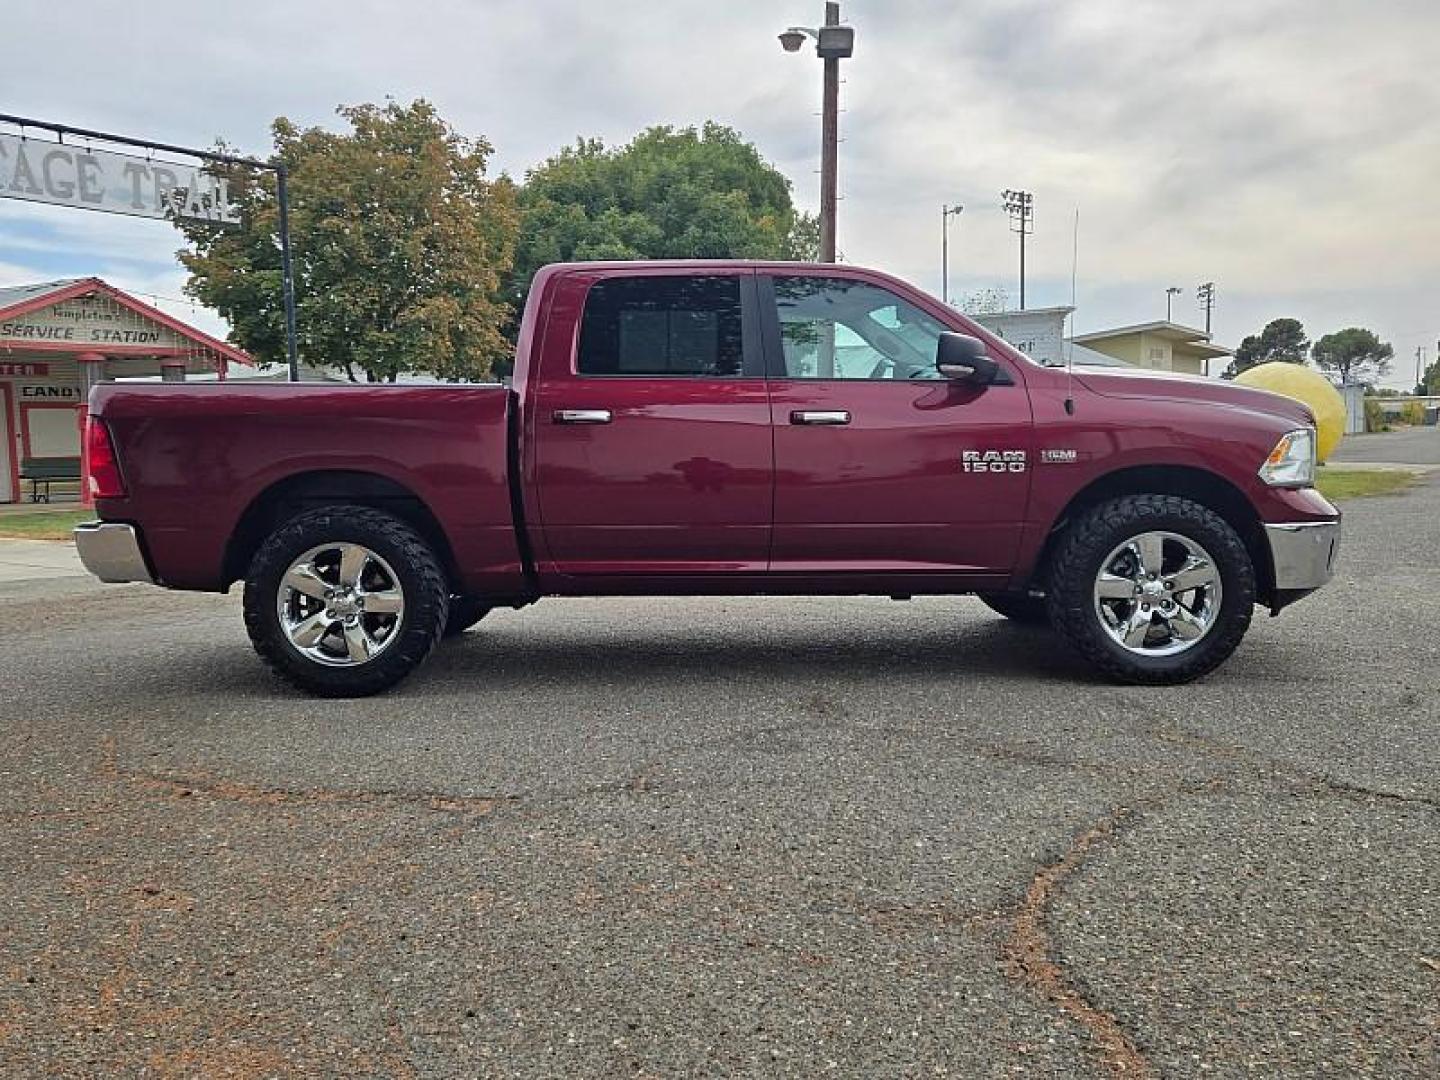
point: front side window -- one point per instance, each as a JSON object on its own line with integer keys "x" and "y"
{"x": 837, "y": 328}
{"x": 681, "y": 326}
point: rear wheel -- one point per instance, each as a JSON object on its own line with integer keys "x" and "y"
{"x": 1152, "y": 589}
{"x": 1018, "y": 607}
{"x": 345, "y": 601}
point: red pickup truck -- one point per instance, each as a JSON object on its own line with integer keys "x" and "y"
{"x": 687, "y": 428}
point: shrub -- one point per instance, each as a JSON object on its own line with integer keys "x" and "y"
{"x": 1374, "y": 415}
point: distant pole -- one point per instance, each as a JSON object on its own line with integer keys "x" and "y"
{"x": 1419, "y": 366}
{"x": 946, "y": 213}
{"x": 1170, "y": 294}
{"x": 287, "y": 274}
{"x": 1206, "y": 295}
{"x": 1020, "y": 205}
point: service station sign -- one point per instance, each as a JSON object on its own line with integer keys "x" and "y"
{"x": 39, "y": 170}
{"x": 86, "y": 322}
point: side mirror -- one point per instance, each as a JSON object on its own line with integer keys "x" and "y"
{"x": 963, "y": 358}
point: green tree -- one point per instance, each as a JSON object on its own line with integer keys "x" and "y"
{"x": 669, "y": 193}
{"x": 400, "y": 247}
{"x": 1282, "y": 341}
{"x": 1354, "y": 355}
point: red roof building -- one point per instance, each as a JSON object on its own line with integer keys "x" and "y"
{"x": 60, "y": 338}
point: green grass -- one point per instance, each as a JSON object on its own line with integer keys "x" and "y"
{"x": 42, "y": 524}
{"x": 1338, "y": 484}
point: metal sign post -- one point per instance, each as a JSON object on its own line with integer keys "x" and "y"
{"x": 119, "y": 184}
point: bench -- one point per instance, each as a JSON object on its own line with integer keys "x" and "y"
{"x": 44, "y": 470}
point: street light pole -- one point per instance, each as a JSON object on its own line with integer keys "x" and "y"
{"x": 829, "y": 144}
{"x": 946, "y": 213}
{"x": 1170, "y": 294}
{"x": 833, "y": 43}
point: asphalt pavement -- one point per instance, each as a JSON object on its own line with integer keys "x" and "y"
{"x": 727, "y": 837}
{"x": 37, "y": 560}
{"x": 1407, "y": 446}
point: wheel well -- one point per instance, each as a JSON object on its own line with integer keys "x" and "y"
{"x": 1198, "y": 485}
{"x": 294, "y": 495}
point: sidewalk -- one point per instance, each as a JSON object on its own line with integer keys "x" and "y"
{"x": 30, "y": 560}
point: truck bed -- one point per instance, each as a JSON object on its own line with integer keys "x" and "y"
{"x": 205, "y": 463}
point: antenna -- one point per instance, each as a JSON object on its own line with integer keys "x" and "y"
{"x": 1070, "y": 318}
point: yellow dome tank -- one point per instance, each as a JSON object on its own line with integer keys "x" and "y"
{"x": 1308, "y": 386}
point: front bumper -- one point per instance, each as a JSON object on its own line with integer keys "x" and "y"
{"x": 1303, "y": 554}
{"x": 111, "y": 552}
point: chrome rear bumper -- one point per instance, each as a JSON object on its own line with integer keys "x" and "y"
{"x": 1303, "y": 553}
{"x": 111, "y": 552}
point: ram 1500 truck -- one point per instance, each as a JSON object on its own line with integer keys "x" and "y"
{"x": 688, "y": 428}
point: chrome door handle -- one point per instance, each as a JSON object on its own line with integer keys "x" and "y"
{"x": 582, "y": 416}
{"x": 837, "y": 416}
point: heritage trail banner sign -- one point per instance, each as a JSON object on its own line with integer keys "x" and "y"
{"x": 39, "y": 170}
{"x": 75, "y": 174}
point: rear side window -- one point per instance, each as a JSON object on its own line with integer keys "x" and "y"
{"x": 679, "y": 326}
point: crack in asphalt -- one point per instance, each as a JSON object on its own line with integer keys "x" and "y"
{"x": 1264, "y": 766}
{"x": 1029, "y": 956}
{"x": 253, "y": 794}
{"x": 1343, "y": 789}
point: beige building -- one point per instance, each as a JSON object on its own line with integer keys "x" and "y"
{"x": 1162, "y": 346}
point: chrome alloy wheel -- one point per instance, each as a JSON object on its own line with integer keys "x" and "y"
{"x": 1158, "y": 594}
{"x": 340, "y": 604}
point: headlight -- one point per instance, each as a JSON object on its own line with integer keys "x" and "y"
{"x": 1292, "y": 462}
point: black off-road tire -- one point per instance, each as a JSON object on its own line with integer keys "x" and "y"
{"x": 1077, "y": 561}
{"x": 420, "y": 578}
{"x": 465, "y": 612}
{"x": 1018, "y": 607}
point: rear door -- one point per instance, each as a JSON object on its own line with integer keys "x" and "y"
{"x": 881, "y": 465}
{"x": 651, "y": 426}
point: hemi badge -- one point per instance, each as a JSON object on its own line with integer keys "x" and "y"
{"x": 1058, "y": 457}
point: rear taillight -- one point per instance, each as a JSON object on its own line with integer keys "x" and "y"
{"x": 105, "y": 479}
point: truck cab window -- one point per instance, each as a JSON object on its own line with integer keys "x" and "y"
{"x": 837, "y": 328}
{"x": 680, "y": 326}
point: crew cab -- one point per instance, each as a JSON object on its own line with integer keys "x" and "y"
{"x": 688, "y": 428}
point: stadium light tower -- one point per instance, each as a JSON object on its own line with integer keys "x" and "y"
{"x": 1020, "y": 205}
{"x": 1206, "y": 295}
{"x": 946, "y": 213}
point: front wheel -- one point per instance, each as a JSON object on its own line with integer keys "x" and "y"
{"x": 345, "y": 601}
{"x": 1152, "y": 589}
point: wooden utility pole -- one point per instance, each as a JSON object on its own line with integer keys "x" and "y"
{"x": 829, "y": 143}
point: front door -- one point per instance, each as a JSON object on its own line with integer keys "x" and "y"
{"x": 652, "y": 428}
{"x": 881, "y": 465}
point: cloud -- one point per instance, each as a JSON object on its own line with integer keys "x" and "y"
{"x": 1283, "y": 148}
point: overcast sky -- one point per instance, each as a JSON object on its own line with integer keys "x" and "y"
{"x": 1288, "y": 150}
